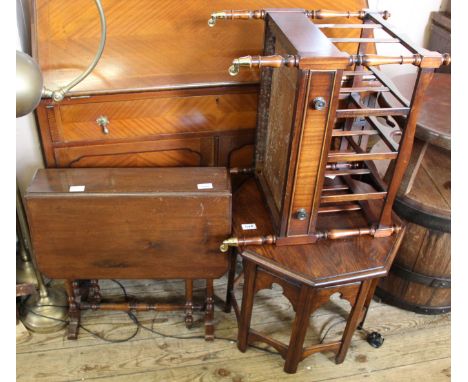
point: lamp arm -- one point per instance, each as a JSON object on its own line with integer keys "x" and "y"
{"x": 59, "y": 94}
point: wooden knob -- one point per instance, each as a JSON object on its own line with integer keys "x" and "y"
{"x": 446, "y": 59}
{"x": 385, "y": 15}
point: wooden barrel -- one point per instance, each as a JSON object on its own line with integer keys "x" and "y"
{"x": 419, "y": 279}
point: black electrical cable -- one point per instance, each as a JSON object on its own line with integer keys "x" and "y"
{"x": 121, "y": 287}
{"x": 44, "y": 316}
{"x": 329, "y": 328}
{"x": 133, "y": 335}
{"x": 94, "y": 334}
{"x": 139, "y": 326}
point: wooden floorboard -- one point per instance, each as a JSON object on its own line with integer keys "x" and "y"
{"x": 416, "y": 347}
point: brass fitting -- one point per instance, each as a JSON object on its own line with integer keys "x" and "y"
{"x": 238, "y": 62}
{"x": 215, "y": 16}
{"x": 274, "y": 61}
{"x": 231, "y": 242}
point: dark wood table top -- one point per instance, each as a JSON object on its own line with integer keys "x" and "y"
{"x": 170, "y": 180}
{"x": 434, "y": 122}
{"x": 327, "y": 262}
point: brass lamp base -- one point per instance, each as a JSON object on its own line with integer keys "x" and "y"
{"x": 45, "y": 314}
{"x": 25, "y": 272}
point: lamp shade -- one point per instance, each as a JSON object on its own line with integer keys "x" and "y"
{"x": 29, "y": 84}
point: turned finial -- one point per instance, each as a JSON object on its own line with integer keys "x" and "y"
{"x": 446, "y": 59}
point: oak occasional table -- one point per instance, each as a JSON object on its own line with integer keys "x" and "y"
{"x": 309, "y": 275}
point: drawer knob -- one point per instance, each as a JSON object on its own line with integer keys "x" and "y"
{"x": 301, "y": 214}
{"x": 319, "y": 103}
{"x": 103, "y": 121}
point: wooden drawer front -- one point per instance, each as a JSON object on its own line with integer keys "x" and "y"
{"x": 227, "y": 150}
{"x": 312, "y": 155}
{"x": 161, "y": 153}
{"x": 151, "y": 117}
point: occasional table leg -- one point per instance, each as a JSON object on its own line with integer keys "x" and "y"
{"x": 250, "y": 270}
{"x": 230, "y": 282}
{"x": 301, "y": 323}
{"x": 188, "y": 303}
{"x": 368, "y": 301}
{"x": 73, "y": 290}
{"x": 353, "y": 320}
{"x": 209, "y": 311}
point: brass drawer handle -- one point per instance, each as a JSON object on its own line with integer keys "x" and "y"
{"x": 103, "y": 121}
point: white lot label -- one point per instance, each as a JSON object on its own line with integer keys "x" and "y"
{"x": 205, "y": 186}
{"x": 76, "y": 188}
{"x": 246, "y": 227}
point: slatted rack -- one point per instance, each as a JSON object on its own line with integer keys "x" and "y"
{"x": 353, "y": 169}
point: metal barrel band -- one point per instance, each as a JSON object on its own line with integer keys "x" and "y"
{"x": 421, "y": 309}
{"x": 431, "y": 281}
{"x": 405, "y": 210}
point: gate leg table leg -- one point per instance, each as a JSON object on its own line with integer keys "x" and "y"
{"x": 73, "y": 288}
{"x": 209, "y": 311}
{"x": 188, "y": 303}
{"x": 94, "y": 292}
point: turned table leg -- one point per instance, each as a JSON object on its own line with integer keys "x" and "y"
{"x": 188, "y": 303}
{"x": 353, "y": 320}
{"x": 73, "y": 292}
{"x": 94, "y": 292}
{"x": 209, "y": 311}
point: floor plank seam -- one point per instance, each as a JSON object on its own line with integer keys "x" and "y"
{"x": 201, "y": 339}
{"x": 159, "y": 369}
{"x": 380, "y": 370}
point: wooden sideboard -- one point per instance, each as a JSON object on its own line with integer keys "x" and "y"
{"x": 197, "y": 127}
{"x": 162, "y": 82}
